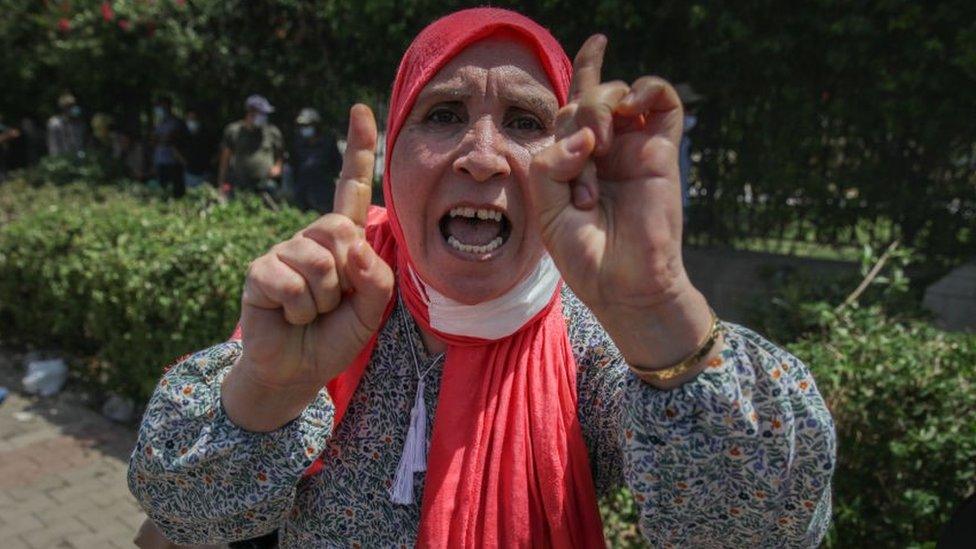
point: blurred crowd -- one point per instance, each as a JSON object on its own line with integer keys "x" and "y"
{"x": 177, "y": 151}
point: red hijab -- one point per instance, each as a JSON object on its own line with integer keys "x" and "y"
{"x": 507, "y": 464}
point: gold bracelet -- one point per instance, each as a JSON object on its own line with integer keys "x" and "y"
{"x": 670, "y": 372}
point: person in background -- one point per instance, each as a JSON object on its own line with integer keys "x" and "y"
{"x": 127, "y": 149}
{"x": 67, "y": 134}
{"x": 7, "y": 136}
{"x": 198, "y": 149}
{"x": 168, "y": 135}
{"x": 690, "y": 99}
{"x": 315, "y": 161}
{"x": 252, "y": 150}
{"x": 31, "y": 145}
{"x": 101, "y": 128}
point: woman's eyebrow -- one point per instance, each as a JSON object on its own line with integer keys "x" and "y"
{"x": 444, "y": 91}
{"x": 532, "y": 102}
{"x": 525, "y": 98}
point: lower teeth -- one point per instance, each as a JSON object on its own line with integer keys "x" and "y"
{"x": 472, "y": 249}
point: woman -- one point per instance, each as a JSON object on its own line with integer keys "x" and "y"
{"x": 512, "y": 337}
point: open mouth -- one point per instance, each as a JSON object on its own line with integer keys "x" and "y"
{"x": 475, "y": 230}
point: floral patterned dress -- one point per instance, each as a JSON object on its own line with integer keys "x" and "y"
{"x": 742, "y": 455}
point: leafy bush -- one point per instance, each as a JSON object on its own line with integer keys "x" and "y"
{"x": 94, "y": 168}
{"x": 619, "y": 513}
{"x": 132, "y": 281}
{"x": 901, "y": 394}
{"x": 797, "y": 296}
{"x": 904, "y": 401}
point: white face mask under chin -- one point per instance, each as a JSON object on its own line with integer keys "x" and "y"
{"x": 496, "y": 318}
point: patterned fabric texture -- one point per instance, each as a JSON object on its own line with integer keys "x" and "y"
{"x": 742, "y": 455}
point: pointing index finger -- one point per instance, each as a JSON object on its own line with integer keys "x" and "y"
{"x": 587, "y": 66}
{"x": 354, "y": 189}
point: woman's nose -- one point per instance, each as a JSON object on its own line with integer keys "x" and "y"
{"x": 483, "y": 154}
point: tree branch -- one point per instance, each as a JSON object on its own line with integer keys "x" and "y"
{"x": 872, "y": 274}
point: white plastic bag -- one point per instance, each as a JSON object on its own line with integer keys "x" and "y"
{"x": 45, "y": 377}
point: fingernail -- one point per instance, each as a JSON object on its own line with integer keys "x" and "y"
{"x": 581, "y": 195}
{"x": 575, "y": 143}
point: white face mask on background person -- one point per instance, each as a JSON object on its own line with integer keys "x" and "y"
{"x": 159, "y": 112}
{"x": 193, "y": 126}
{"x": 260, "y": 119}
{"x": 75, "y": 111}
{"x": 307, "y": 132}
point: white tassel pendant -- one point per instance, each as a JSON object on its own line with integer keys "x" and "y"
{"x": 413, "y": 459}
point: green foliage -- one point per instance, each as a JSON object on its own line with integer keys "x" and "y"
{"x": 62, "y": 170}
{"x": 831, "y": 116}
{"x": 799, "y": 299}
{"x": 619, "y": 513}
{"x": 904, "y": 403}
{"x": 820, "y": 118}
{"x": 130, "y": 280}
{"x": 900, "y": 392}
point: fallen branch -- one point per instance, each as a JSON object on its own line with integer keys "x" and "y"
{"x": 872, "y": 274}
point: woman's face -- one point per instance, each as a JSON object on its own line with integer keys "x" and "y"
{"x": 460, "y": 166}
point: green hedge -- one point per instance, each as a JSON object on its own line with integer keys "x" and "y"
{"x": 901, "y": 393}
{"x": 130, "y": 280}
{"x": 133, "y": 281}
{"x": 903, "y": 396}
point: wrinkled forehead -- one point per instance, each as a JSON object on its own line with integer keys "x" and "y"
{"x": 506, "y": 65}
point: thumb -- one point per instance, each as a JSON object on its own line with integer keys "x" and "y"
{"x": 372, "y": 282}
{"x": 554, "y": 170}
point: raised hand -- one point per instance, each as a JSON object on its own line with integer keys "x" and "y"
{"x": 312, "y": 302}
{"x": 607, "y": 197}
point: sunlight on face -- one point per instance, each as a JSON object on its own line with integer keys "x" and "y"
{"x": 460, "y": 166}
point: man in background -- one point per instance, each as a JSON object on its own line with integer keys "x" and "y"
{"x": 252, "y": 150}
{"x": 315, "y": 162}
{"x": 30, "y": 146}
{"x": 199, "y": 150}
{"x": 7, "y": 135}
{"x": 128, "y": 150}
{"x": 168, "y": 135}
{"x": 66, "y": 132}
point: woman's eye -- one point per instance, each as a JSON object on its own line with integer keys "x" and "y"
{"x": 525, "y": 123}
{"x": 443, "y": 116}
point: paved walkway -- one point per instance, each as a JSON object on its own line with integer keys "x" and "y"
{"x": 62, "y": 471}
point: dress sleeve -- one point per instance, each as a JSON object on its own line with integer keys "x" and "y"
{"x": 201, "y": 478}
{"x": 741, "y": 455}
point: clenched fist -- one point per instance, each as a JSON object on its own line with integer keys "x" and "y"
{"x": 312, "y": 302}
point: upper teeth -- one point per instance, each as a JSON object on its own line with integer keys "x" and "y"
{"x": 480, "y": 213}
